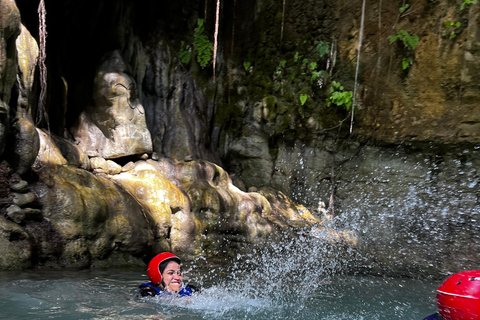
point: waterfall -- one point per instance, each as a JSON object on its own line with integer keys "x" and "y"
{"x": 360, "y": 40}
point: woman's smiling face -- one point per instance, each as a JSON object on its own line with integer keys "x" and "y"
{"x": 172, "y": 277}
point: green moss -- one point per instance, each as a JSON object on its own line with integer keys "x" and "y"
{"x": 270, "y": 103}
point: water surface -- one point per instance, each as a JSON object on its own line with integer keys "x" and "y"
{"x": 109, "y": 294}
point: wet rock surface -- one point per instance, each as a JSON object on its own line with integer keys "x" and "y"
{"x": 146, "y": 153}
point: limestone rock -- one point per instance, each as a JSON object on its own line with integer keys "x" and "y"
{"x": 16, "y": 249}
{"x": 165, "y": 204}
{"x": 92, "y": 216}
{"x": 9, "y": 30}
{"x": 58, "y": 151}
{"x": 115, "y": 126}
{"x": 23, "y": 141}
{"x": 15, "y": 213}
{"x": 23, "y": 199}
{"x": 27, "y": 50}
{"x": 21, "y": 186}
{"x": 100, "y": 165}
{"x": 23, "y": 145}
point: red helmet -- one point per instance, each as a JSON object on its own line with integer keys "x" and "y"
{"x": 153, "y": 270}
{"x": 458, "y": 298}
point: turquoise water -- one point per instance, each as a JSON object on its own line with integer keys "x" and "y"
{"x": 96, "y": 294}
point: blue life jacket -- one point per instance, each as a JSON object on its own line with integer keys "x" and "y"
{"x": 149, "y": 289}
{"x": 435, "y": 316}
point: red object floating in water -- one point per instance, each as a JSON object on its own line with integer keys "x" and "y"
{"x": 458, "y": 298}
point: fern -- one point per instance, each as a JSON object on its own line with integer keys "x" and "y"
{"x": 184, "y": 54}
{"x": 202, "y": 45}
{"x": 407, "y": 39}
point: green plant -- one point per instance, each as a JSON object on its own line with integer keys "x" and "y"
{"x": 322, "y": 48}
{"x": 452, "y": 28}
{"x": 283, "y": 63}
{"x": 406, "y": 62}
{"x": 246, "y": 65}
{"x": 339, "y": 97}
{"x": 407, "y": 39}
{"x": 278, "y": 71}
{"x": 303, "y": 98}
{"x": 313, "y": 66}
{"x": 409, "y": 42}
{"x": 184, "y": 54}
{"x": 465, "y": 2}
{"x": 404, "y": 8}
{"x": 317, "y": 74}
{"x": 202, "y": 45}
{"x": 297, "y": 57}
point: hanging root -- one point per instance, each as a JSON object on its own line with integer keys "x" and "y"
{"x": 42, "y": 32}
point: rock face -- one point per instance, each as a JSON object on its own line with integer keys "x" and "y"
{"x": 435, "y": 98}
{"x": 23, "y": 145}
{"x": 405, "y": 180}
{"x": 115, "y": 126}
{"x": 9, "y": 30}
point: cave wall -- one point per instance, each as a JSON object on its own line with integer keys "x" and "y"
{"x": 422, "y": 119}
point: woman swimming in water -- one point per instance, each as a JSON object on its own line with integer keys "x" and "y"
{"x": 165, "y": 277}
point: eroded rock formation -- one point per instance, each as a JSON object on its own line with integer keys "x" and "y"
{"x": 406, "y": 180}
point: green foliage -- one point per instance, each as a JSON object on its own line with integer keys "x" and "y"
{"x": 278, "y": 71}
{"x": 404, "y": 8}
{"x": 246, "y": 65}
{"x": 465, "y": 2}
{"x": 407, "y": 39}
{"x": 283, "y": 63}
{"x": 202, "y": 45}
{"x": 406, "y": 62}
{"x": 322, "y": 48}
{"x": 317, "y": 74}
{"x": 276, "y": 86}
{"x": 452, "y": 28}
{"x": 409, "y": 42}
{"x": 339, "y": 97}
{"x": 297, "y": 57}
{"x": 184, "y": 54}
{"x": 303, "y": 98}
{"x": 313, "y": 66}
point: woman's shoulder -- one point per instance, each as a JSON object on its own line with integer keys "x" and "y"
{"x": 148, "y": 289}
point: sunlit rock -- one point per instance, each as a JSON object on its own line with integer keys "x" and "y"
{"x": 115, "y": 126}
{"x": 23, "y": 141}
{"x": 164, "y": 203}
{"x": 285, "y": 210}
{"x": 220, "y": 207}
{"x": 55, "y": 150}
{"x": 100, "y": 165}
{"x": 94, "y": 219}
{"x": 27, "y": 50}
{"x": 9, "y": 30}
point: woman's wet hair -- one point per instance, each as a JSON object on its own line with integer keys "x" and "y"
{"x": 163, "y": 264}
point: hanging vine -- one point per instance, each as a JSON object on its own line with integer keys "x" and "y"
{"x": 42, "y": 32}
{"x": 215, "y": 38}
{"x": 360, "y": 40}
